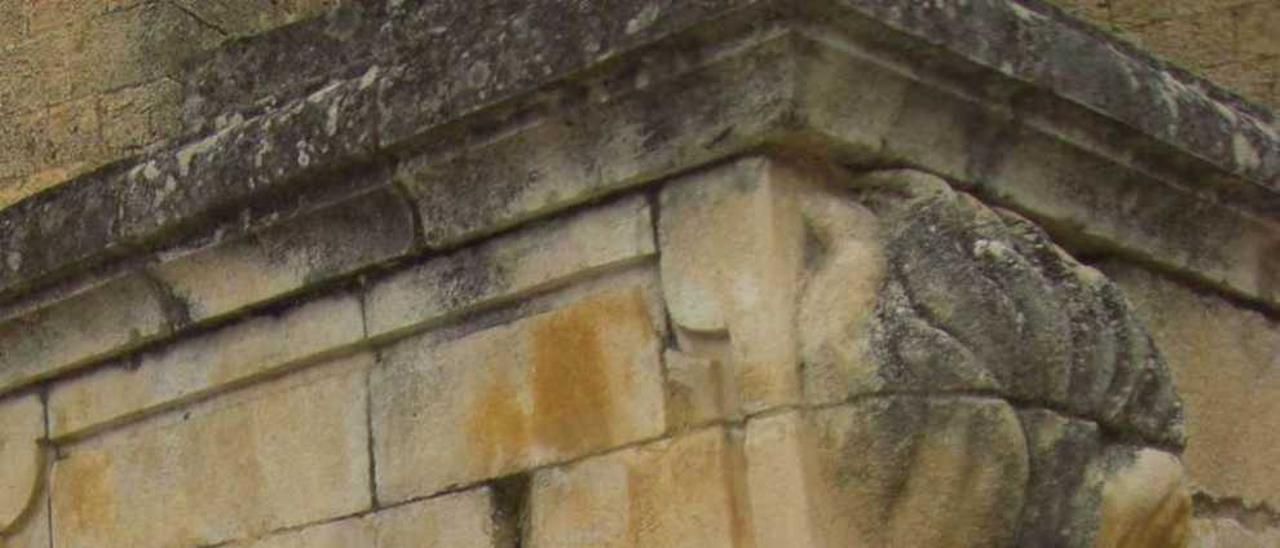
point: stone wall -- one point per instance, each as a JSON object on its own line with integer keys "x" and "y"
{"x": 1231, "y": 42}
{"x": 724, "y": 273}
{"x": 87, "y": 82}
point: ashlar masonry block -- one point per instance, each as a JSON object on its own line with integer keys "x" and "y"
{"x": 674, "y": 492}
{"x": 552, "y": 387}
{"x": 280, "y": 454}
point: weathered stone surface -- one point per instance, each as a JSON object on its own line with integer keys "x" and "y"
{"x": 511, "y": 266}
{"x": 285, "y": 453}
{"x": 782, "y": 483}
{"x": 197, "y": 367}
{"x": 732, "y": 245}
{"x": 1228, "y": 533}
{"x": 911, "y": 471}
{"x": 668, "y": 493}
{"x": 22, "y": 460}
{"x": 1227, "y": 365}
{"x": 346, "y": 533}
{"x": 93, "y": 325}
{"x": 695, "y": 390}
{"x": 462, "y": 520}
{"x": 1144, "y": 499}
{"x": 975, "y": 299}
{"x": 324, "y": 245}
{"x": 465, "y": 520}
{"x": 33, "y": 529}
{"x": 551, "y": 387}
{"x": 1062, "y": 507}
{"x": 599, "y": 147}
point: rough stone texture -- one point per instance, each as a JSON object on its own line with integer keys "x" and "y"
{"x": 462, "y": 520}
{"x": 285, "y": 453}
{"x": 1228, "y": 533}
{"x": 897, "y": 470}
{"x": 735, "y": 280}
{"x": 285, "y": 258}
{"x": 197, "y": 367}
{"x": 1227, "y": 364}
{"x": 23, "y": 459}
{"x": 466, "y": 520}
{"x": 552, "y": 387}
{"x": 511, "y": 266}
{"x": 1144, "y": 499}
{"x": 33, "y": 530}
{"x": 668, "y": 493}
{"x": 976, "y": 300}
{"x": 783, "y": 483}
{"x": 93, "y": 325}
{"x": 696, "y": 390}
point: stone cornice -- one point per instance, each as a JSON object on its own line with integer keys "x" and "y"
{"x": 456, "y": 110}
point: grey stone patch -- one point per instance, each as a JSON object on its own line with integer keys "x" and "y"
{"x": 1062, "y": 505}
{"x": 979, "y": 300}
{"x": 922, "y": 471}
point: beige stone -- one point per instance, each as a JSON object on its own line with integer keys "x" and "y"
{"x": 21, "y": 459}
{"x": 668, "y": 493}
{"x": 1229, "y": 533}
{"x": 695, "y": 390}
{"x": 142, "y": 115}
{"x": 548, "y": 388}
{"x": 321, "y": 245}
{"x": 199, "y": 366}
{"x": 1226, "y": 364}
{"x": 732, "y": 245}
{"x": 93, "y": 325}
{"x": 347, "y": 533}
{"x": 913, "y": 471}
{"x": 511, "y": 267}
{"x": 459, "y": 520}
{"x": 137, "y": 44}
{"x": 1145, "y": 503}
{"x": 284, "y": 453}
{"x": 782, "y": 483}
{"x": 33, "y": 529}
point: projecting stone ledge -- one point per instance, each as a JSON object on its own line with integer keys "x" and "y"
{"x": 980, "y": 92}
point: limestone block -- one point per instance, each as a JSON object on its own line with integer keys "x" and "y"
{"x": 1144, "y": 499}
{"x": 139, "y": 116}
{"x": 511, "y": 266}
{"x": 732, "y": 250}
{"x": 198, "y": 366}
{"x": 105, "y": 320}
{"x": 547, "y": 388}
{"x": 667, "y": 493}
{"x": 695, "y": 390}
{"x": 135, "y": 45}
{"x": 21, "y": 460}
{"x": 912, "y": 471}
{"x": 782, "y": 482}
{"x": 458, "y": 520}
{"x": 284, "y": 453}
{"x": 461, "y": 520}
{"x": 1229, "y": 533}
{"x": 1226, "y": 361}
{"x": 32, "y": 530}
{"x": 283, "y": 259}
{"x": 347, "y": 533}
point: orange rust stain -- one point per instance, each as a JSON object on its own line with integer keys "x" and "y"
{"x": 88, "y": 499}
{"x": 573, "y": 403}
{"x": 497, "y": 429}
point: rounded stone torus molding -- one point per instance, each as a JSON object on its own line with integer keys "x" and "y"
{"x": 997, "y": 385}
